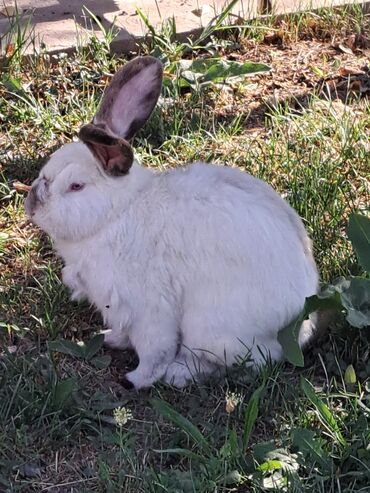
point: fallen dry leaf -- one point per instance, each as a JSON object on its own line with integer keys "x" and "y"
{"x": 351, "y": 42}
{"x": 273, "y": 38}
{"x": 357, "y": 42}
{"x": 348, "y": 81}
{"x": 345, "y": 49}
{"x": 345, "y": 71}
{"x": 9, "y": 50}
{"x": 17, "y": 185}
{"x": 313, "y": 23}
{"x": 197, "y": 12}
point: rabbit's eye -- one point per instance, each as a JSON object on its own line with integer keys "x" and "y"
{"x": 75, "y": 187}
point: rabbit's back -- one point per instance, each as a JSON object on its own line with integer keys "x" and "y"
{"x": 238, "y": 218}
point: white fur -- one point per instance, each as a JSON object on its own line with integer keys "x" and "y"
{"x": 192, "y": 267}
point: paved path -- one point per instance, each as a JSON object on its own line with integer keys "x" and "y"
{"x": 60, "y": 23}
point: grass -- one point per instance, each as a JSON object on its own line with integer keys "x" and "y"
{"x": 63, "y": 420}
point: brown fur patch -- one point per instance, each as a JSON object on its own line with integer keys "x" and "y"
{"x": 115, "y": 154}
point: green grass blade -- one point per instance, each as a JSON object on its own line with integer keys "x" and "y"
{"x": 325, "y": 415}
{"x": 183, "y": 423}
{"x": 182, "y": 451}
{"x": 251, "y": 414}
{"x": 63, "y": 391}
{"x": 146, "y": 21}
{"x": 212, "y": 27}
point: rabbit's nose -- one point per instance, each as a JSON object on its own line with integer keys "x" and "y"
{"x": 37, "y": 195}
{"x": 31, "y": 202}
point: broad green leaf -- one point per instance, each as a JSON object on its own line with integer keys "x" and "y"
{"x": 275, "y": 459}
{"x": 93, "y": 346}
{"x": 356, "y": 301}
{"x": 328, "y": 300}
{"x": 287, "y": 459}
{"x": 104, "y": 405}
{"x": 63, "y": 391}
{"x": 262, "y": 450}
{"x": 251, "y": 414}
{"x": 332, "y": 291}
{"x": 204, "y": 71}
{"x": 233, "y": 477}
{"x": 307, "y": 443}
{"x": 326, "y": 416}
{"x": 359, "y": 233}
{"x": 288, "y": 338}
{"x": 270, "y": 465}
{"x": 12, "y": 84}
{"x": 67, "y": 347}
{"x": 222, "y": 70}
{"x": 190, "y": 77}
{"x": 101, "y": 362}
{"x": 183, "y": 423}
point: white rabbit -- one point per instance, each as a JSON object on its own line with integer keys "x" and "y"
{"x": 192, "y": 267}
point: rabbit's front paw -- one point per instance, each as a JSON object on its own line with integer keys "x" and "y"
{"x": 72, "y": 279}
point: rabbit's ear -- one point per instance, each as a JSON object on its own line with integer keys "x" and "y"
{"x": 114, "y": 154}
{"x": 131, "y": 97}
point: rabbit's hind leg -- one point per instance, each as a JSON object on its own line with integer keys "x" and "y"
{"x": 187, "y": 367}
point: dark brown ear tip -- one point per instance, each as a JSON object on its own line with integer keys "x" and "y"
{"x": 159, "y": 66}
{"x": 144, "y": 61}
{"x": 155, "y": 61}
{"x": 147, "y": 60}
{"x": 86, "y": 131}
{"x": 115, "y": 154}
{"x": 91, "y": 133}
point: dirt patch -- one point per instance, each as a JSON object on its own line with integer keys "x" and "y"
{"x": 298, "y": 70}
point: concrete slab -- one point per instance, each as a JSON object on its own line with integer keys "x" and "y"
{"x": 61, "y": 24}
